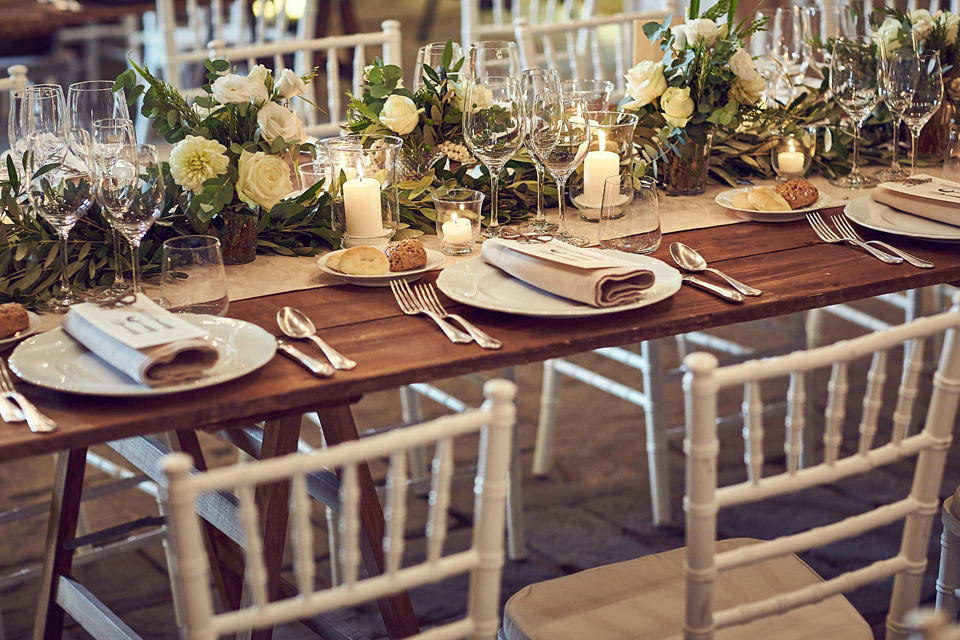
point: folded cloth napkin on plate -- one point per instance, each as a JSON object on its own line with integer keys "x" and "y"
{"x": 922, "y": 195}
{"x": 561, "y": 269}
{"x": 143, "y": 340}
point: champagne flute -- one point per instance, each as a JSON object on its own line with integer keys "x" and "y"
{"x": 493, "y": 58}
{"x": 853, "y": 81}
{"x": 129, "y": 186}
{"x": 927, "y": 95}
{"x": 535, "y": 84}
{"x": 58, "y": 196}
{"x": 562, "y": 141}
{"x": 89, "y": 102}
{"x": 493, "y": 131}
{"x": 898, "y": 82}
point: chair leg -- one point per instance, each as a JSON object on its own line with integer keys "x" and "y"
{"x": 948, "y": 580}
{"x": 547, "y": 422}
{"x": 655, "y": 419}
{"x": 516, "y": 538}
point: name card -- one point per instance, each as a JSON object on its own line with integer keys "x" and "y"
{"x": 138, "y": 325}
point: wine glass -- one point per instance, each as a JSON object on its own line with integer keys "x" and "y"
{"x": 788, "y": 47}
{"x": 596, "y": 93}
{"x": 493, "y": 58}
{"x": 493, "y": 130}
{"x": 89, "y": 102}
{"x": 853, "y": 81}
{"x": 15, "y": 133}
{"x": 129, "y": 187}
{"x": 898, "y": 80}
{"x": 927, "y": 94}
{"x": 561, "y": 140}
{"x": 60, "y": 197}
{"x": 431, "y": 55}
{"x": 535, "y": 84}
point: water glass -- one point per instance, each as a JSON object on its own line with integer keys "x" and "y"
{"x": 595, "y": 93}
{"x": 630, "y": 216}
{"x": 431, "y": 55}
{"x": 192, "y": 278}
{"x": 493, "y": 58}
{"x": 951, "y": 155}
{"x": 458, "y": 219}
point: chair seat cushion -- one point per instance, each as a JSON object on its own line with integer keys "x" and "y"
{"x": 643, "y": 598}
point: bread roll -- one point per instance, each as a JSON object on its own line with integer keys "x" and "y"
{"x": 742, "y": 201}
{"x": 13, "y": 318}
{"x": 333, "y": 260}
{"x": 766, "y": 199}
{"x": 798, "y": 193}
{"x": 406, "y": 254}
{"x": 364, "y": 261}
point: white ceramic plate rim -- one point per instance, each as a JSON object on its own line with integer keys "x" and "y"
{"x": 859, "y": 210}
{"x": 40, "y": 360}
{"x": 434, "y": 260}
{"x": 34, "y": 321}
{"x": 725, "y": 199}
{"x": 667, "y": 281}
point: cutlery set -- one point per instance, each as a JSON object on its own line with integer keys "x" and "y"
{"x": 295, "y": 324}
{"x": 846, "y": 234}
{"x": 688, "y": 259}
{"x": 424, "y": 301}
{"x": 14, "y": 406}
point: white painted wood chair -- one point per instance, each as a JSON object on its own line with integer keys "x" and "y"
{"x": 476, "y": 25}
{"x": 948, "y": 580}
{"x": 482, "y": 559}
{"x": 738, "y": 585}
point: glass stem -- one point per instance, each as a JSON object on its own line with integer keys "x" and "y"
{"x": 896, "y": 144}
{"x": 135, "y": 265}
{"x": 913, "y": 150}
{"x": 494, "y": 200}
{"x": 855, "y": 169}
{"x": 540, "y": 216}
{"x": 118, "y": 258}
{"x": 64, "y": 277}
{"x": 561, "y": 192}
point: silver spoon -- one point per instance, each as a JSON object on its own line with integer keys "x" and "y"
{"x": 688, "y": 258}
{"x": 296, "y": 325}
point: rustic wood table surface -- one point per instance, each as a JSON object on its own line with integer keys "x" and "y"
{"x": 794, "y": 269}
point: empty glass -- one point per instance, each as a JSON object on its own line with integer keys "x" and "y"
{"x": 595, "y": 93}
{"x": 192, "y": 278}
{"x": 951, "y": 155}
{"x": 630, "y": 216}
{"x": 431, "y": 55}
{"x": 114, "y": 155}
{"x": 854, "y": 77}
{"x": 927, "y": 93}
{"x": 534, "y": 85}
{"x": 493, "y": 58}
{"x": 897, "y": 84}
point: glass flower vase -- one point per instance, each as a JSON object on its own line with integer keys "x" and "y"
{"x": 685, "y": 165}
{"x": 238, "y": 235}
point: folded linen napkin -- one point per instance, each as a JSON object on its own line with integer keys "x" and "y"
{"x": 561, "y": 269}
{"x": 922, "y": 195}
{"x": 143, "y": 340}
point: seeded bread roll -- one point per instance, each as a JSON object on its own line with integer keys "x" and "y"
{"x": 406, "y": 254}
{"x": 799, "y": 193}
{"x": 13, "y": 318}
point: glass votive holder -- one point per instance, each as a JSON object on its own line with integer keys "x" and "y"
{"x": 790, "y": 157}
{"x": 313, "y": 172}
{"x": 458, "y": 219}
{"x": 630, "y": 216}
{"x": 609, "y": 154}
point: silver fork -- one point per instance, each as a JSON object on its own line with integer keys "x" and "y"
{"x": 410, "y": 306}
{"x": 428, "y": 298}
{"x": 827, "y": 234}
{"x": 37, "y": 422}
{"x": 843, "y": 225}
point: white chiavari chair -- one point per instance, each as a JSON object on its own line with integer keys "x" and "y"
{"x": 485, "y": 433}
{"x": 948, "y": 580}
{"x": 476, "y": 25}
{"x": 738, "y": 586}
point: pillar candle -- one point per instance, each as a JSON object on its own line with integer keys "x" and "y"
{"x": 457, "y": 230}
{"x": 790, "y": 162}
{"x": 361, "y": 205}
{"x": 597, "y": 167}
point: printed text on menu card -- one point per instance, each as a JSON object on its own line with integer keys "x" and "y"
{"x": 139, "y": 325}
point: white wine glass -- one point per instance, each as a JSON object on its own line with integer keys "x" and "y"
{"x": 927, "y": 93}
{"x": 431, "y": 55}
{"x": 854, "y": 79}
{"x": 493, "y": 58}
{"x": 789, "y": 47}
{"x": 535, "y": 84}
{"x": 561, "y": 142}
{"x": 113, "y": 148}
{"x": 60, "y": 197}
{"x": 898, "y": 82}
{"x": 493, "y": 131}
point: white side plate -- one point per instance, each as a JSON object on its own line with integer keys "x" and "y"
{"x": 434, "y": 260}
{"x": 31, "y": 329}
{"x": 725, "y": 199}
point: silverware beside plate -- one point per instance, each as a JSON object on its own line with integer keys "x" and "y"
{"x": 317, "y": 368}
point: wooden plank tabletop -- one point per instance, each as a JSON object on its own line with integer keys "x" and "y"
{"x": 795, "y": 271}
{"x": 20, "y": 19}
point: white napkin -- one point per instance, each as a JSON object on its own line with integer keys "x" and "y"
{"x": 564, "y": 270}
{"x": 143, "y": 340}
{"x": 925, "y": 196}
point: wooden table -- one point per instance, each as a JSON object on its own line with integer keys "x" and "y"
{"x": 795, "y": 271}
{"x": 21, "y": 19}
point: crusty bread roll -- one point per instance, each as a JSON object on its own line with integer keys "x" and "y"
{"x": 333, "y": 260}
{"x": 406, "y": 254}
{"x": 364, "y": 261}
{"x": 742, "y": 201}
{"x": 766, "y": 199}
{"x": 798, "y": 193}
{"x": 13, "y": 318}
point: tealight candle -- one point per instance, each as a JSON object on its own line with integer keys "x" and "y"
{"x": 361, "y": 203}
{"x": 597, "y": 167}
{"x": 457, "y": 230}
{"x": 791, "y": 162}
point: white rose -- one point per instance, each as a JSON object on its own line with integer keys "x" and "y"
{"x": 234, "y": 89}
{"x": 748, "y": 91}
{"x": 399, "y": 114}
{"x": 259, "y": 74}
{"x": 741, "y": 63}
{"x": 289, "y": 85}
{"x": 264, "y": 179}
{"x": 194, "y": 160}
{"x": 279, "y": 122}
{"x": 919, "y": 14}
{"x": 702, "y": 30}
{"x": 922, "y": 22}
{"x": 679, "y": 37}
{"x": 677, "y": 106}
{"x": 887, "y": 35}
{"x": 645, "y": 82}
{"x": 950, "y": 22}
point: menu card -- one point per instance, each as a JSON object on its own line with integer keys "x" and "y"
{"x": 922, "y": 195}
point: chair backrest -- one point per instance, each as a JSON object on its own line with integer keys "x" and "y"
{"x": 927, "y": 449}
{"x": 486, "y": 431}
{"x": 599, "y": 47}
{"x": 328, "y": 89}
{"x": 17, "y": 78}
{"x": 473, "y": 28}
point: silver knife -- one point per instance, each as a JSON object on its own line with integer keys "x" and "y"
{"x": 317, "y": 368}
{"x": 723, "y": 292}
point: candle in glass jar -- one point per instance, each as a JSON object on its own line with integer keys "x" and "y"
{"x": 361, "y": 207}
{"x": 790, "y": 162}
{"x": 457, "y": 230}
{"x": 597, "y": 167}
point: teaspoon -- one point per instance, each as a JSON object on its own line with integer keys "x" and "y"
{"x": 688, "y": 258}
{"x": 296, "y": 325}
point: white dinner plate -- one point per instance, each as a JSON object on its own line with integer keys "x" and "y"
{"x": 31, "y": 329}
{"x": 478, "y": 284}
{"x": 56, "y": 361}
{"x": 434, "y": 260}
{"x": 725, "y": 199}
{"x": 875, "y": 215}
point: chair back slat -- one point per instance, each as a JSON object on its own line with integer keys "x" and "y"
{"x": 440, "y": 488}
{"x": 477, "y": 25}
{"x": 349, "y": 525}
{"x": 395, "y": 511}
{"x": 908, "y": 391}
{"x": 302, "y": 534}
{"x": 835, "y": 412}
{"x": 872, "y": 401}
{"x": 795, "y": 422}
{"x": 256, "y": 573}
{"x": 753, "y": 431}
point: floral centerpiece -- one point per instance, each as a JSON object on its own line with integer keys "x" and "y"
{"x": 704, "y": 81}
{"x": 235, "y": 153}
